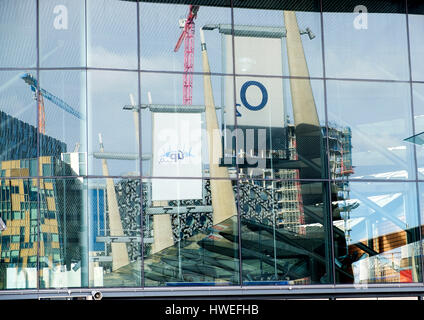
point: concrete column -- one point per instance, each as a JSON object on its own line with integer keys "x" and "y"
{"x": 223, "y": 202}
{"x": 162, "y": 227}
{"x": 304, "y": 108}
{"x": 119, "y": 250}
{"x": 307, "y": 126}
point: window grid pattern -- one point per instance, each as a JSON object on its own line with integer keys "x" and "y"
{"x": 289, "y": 180}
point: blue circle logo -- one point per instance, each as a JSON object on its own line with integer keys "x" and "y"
{"x": 243, "y": 90}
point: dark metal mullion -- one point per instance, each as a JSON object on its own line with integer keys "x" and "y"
{"x": 140, "y": 150}
{"x": 237, "y": 166}
{"x": 37, "y": 28}
{"x": 328, "y": 223}
{"x": 415, "y": 146}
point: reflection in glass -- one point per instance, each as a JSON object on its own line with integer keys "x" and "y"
{"x": 418, "y": 99}
{"x": 359, "y": 47}
{"x": 261, "y": 42}
{"x": 186, "y": 244}
{"x": 416, "y": 25}
{"x": 158, "y": 38}
{"x": 112, "y": 34}
{"x": 279, "y": 127}
{"x": 18, "y": 129}
{"x": 283, "y": 234}
{"x": 18, "y": 210}
{"x": 112, "y": 130}
{"x": 18, "y": 33}
{"x": 65, "y": 120}
{"x": 63, "y": 260}
{"x": 376, "y": 232}
{"x": 175, "y": 139}
{"x": 114, "y": 207}
{"x": 62, "y": 33}
{"x": 376, "y": 118}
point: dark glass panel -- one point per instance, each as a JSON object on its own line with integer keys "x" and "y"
{"x": 115, "y": 247}
{"x": 193, "y": 237}
{"x": 284, "y": 238}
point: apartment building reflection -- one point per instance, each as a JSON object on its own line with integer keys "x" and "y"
{"x": 42, "y": 216}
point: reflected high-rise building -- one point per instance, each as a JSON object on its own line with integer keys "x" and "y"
{"x": 42, "y": 216}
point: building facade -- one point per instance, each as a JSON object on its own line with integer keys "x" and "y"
{"x": 266, "y": 148}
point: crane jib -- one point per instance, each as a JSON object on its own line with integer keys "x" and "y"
{"x": 56, "y": 100}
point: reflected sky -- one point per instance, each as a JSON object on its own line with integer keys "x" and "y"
{"x": 349, "y": 53}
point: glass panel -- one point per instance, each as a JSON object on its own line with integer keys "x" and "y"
{"x": 279, "y": 127}
{"x": 186, "y": 245}
{"x": 112, "y": 34}
{"x": 262, "y": 46}
{"x": 18, "y": 33}
{"x": 416, "y": 24}
{"x": 65, "y": 122}
{"x": 18, "y": 129}
{"x": 62, "y": 33}
{"x": 114, "y": 207}
{"x": 18, "y": 267}
{"x": 158, "y": 38}
{"x": 358, "y": 44}
{"x": 375, "y": 118}
{"x": 283, "y": 235}
{"x": 63, "y": 260}
{"x": 116, "y": 153}
{"x": 376, "y": 232}
{"x": 418, "y": 96}
{"x": 181, "y": 147}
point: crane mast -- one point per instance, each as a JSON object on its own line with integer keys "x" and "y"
{"x": 188, "y": 36}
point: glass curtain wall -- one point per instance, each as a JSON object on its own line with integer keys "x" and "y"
{"x": 237, "y": 143}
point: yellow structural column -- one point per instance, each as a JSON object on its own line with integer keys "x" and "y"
{"x": 304, "y": 109}
{"x": 223, "y": 202}
{"x": 119, "y": 250}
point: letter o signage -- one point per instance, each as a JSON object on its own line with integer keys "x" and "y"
{"x": 243, "y": 90}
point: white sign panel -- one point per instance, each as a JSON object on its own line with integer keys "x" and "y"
{"x": 177, "y": 153}
{"x": 259, "y": 100}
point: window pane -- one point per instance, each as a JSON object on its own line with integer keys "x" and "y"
{"x": 185, "y": 241}
{"x": 18, "y": 118}
{"x": 116, "y": 153}
{"x": 416, "y": 25}
{"x": 283, "y": 232}
{"x": 65, "y": 121}
{"x": 158, "y": 38}
{"x": 18, "y": 33}
{"x": 112, "y": 34}
{"x": 279, "y": 127}
{"x": 376, "y": 232}
{"x": 377, "y": 116}
{"x": 63, "y": 263}
{"x": 18, "y": 269}
{"x": 357, "y": 45}
{"x": 62, "y": 33}
{"x": 262, "y": 46}
{"x": 115, "y": 232}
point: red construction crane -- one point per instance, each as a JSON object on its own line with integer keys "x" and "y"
{"x": 188, "y": 36}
